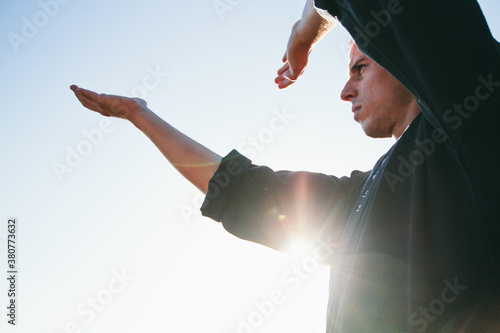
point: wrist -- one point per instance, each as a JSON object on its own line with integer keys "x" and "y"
{"x": 137, "y": 113}
{"x": 303, "y": 35}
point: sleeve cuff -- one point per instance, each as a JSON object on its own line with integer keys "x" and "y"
{"x": 224, "y": 182}
{"x": 321, "y": 7}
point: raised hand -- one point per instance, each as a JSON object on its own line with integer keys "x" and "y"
{"x": 305, "y": 33}
{"x": 108, "y": 105}
{"x": 295, "y": 59}
{"x": 193, "y": 160}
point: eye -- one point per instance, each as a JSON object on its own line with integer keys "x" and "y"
{"x": 359, "y": 71}
{"x": 360, "y": 68}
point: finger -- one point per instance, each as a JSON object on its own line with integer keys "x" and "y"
{"x": 281, "y": 77}
{"x": 84, "y": 100}
{"x": 89, "y": 104}
{"x": 88, "y": 94}
{"x": 283, "y": 69}
{"x": 284, "y": 58}
{"x": 289, "y": 75}
{"x": 90, "y": 99}
{"x": 278, "y": 79}
{"x": 284, "y": 80}
{"x": 293, "y": 75}
{"x": 285, "y": 84}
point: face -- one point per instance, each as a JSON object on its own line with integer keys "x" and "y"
{"x": 380, "y": 103}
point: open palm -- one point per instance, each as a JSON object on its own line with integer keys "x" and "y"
{"x": 108, "y": 105}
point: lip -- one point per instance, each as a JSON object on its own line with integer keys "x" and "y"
{"x": 355, "y": 110}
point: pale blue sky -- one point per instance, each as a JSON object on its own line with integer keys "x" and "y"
{"x": 122, "y": 209}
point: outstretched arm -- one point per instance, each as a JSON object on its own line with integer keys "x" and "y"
{"x": 193, "y": 160}
{"x": 305, "y": 33}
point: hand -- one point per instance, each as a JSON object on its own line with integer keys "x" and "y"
{"x": 108, "y": 105}
{"x": 295, "y": 59}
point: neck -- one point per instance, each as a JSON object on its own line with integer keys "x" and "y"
{"x": 410, "y": 114}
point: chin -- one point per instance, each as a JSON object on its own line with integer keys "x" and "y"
{"x": 379, "y": 136}
{"x": 375, "y": 133}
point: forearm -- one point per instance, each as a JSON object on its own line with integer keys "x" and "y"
{"x": 312, "y": 25}
{"x": 305, "y": 33}
{"x": 193, "y": 160}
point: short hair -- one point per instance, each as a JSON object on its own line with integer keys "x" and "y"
{"x": 351, "y": 44}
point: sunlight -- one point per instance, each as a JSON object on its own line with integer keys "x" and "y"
{"x": 299, "y": 248}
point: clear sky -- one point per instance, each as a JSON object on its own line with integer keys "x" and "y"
{"x": 110, "y": 238}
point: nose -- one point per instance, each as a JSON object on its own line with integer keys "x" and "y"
{"x": 349, "y": 92}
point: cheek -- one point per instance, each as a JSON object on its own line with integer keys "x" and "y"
{"x": 372, "y": 88}
{"x": 385, "y": 93}
{"x": 374, "y": 97}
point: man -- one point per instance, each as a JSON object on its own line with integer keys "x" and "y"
{"x": 418, "y": 247}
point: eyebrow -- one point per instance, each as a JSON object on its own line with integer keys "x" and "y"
{"x": 353, "y": 67}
